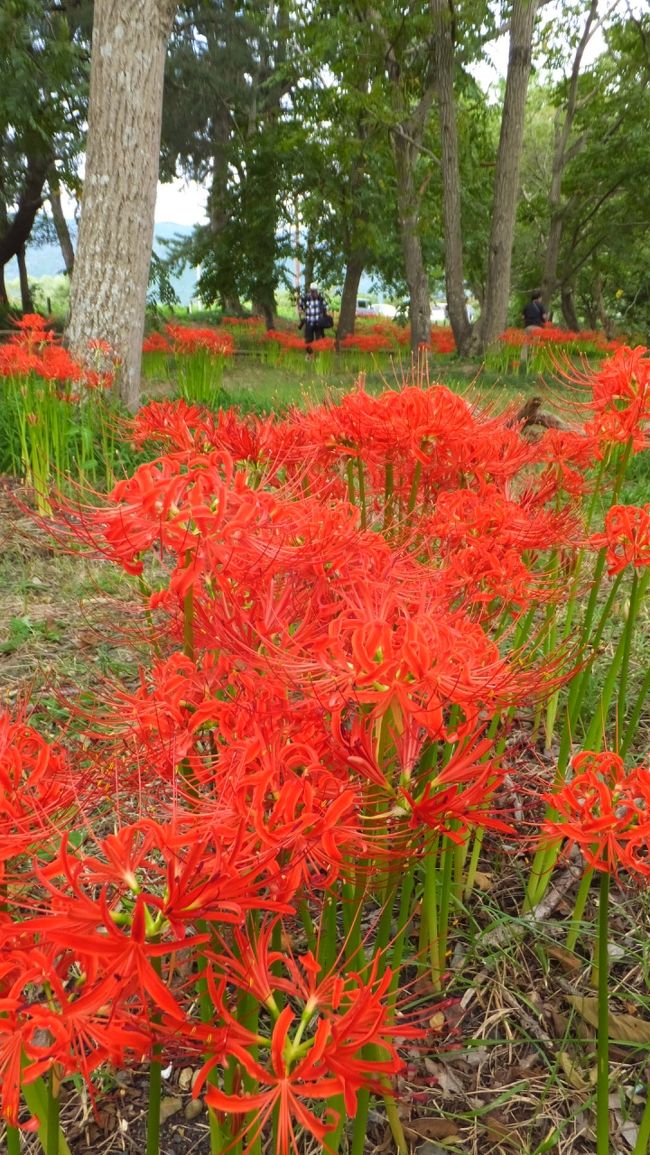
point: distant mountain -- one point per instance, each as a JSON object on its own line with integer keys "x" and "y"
{"x": 45, "y": 260}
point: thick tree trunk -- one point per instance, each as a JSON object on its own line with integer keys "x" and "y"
{"x": 61, "y": 226}
{"x": 569, "y": 308}
{"x": 348, "y": 312}
{"x": 561, "y": 155}
{"x": 443, "y": 59}
{"x": 506, "y": 182}
{"x": 109, "y": 287}
{"x": 408, "y": 207}
{"x": 26, "y": 302}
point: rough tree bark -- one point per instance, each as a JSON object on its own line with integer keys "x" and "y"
{"x": 569, "y": 309}
{"x": 562, "y": 154}
{"x": 109, "y": 286}
{"x": 506, "y": 182}
{"x": 408, "y": 207}
{"x": 443, "y": 59}
{"x": 348, "y": 311}
{"x": 61, "y": 225}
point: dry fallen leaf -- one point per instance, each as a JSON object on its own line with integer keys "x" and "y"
{"x": 432, "y": 1128}
{"x": 621, "y": 1028}
{"x": 572, "y": 1073}
{"x": 567, "y": 959}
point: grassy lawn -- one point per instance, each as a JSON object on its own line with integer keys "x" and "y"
{"x": 253, "y": 384}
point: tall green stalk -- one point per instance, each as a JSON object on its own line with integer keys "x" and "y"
{"x": 602, "y": 1083}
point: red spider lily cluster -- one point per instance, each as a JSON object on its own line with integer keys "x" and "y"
{"x": 35, "y": 350}
{"x": 605, "y": 810}
{"x": 332, "y": 602}
{"x": 554, "y": 335}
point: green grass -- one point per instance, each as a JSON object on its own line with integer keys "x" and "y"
{"x": 252, "y": 385}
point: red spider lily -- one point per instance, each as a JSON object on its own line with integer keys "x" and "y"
{"x": 156, "y": 343}
{"x": 288, "y": 1085}
{"x": 605, "y": 810}
{"x": 187, "y": 339}
{"x": 325, "y": 1056}
{"x": 37, "y": 797}
{"x": 44, "y": 1020}
{"x": 285, "y": 340}
{"x": 458, "y": 797}
{"x": 367, "y": 343}
{"x": 626, "y": 537}
{"x": 441, "y": 339}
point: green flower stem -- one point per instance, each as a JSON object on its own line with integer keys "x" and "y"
{"x": 602, "y": 1083}
{"x": 389, "y": 487}
{"x": 349, "y": 470}
{"x": 447, "y": 853}
{"x": 579, "y": 909}
{"x": 307, "y": 925}
{"x": 188, "y": 624}
{"x": 13, "y": 1140}
{"x": 637, "y": 595}
{"x": 472, "y": 869}
{"x": 153, "y": 1110}
{"x": 333, "y": 1140}
{"x": 633, "y": 721}
{"x": 642, "y": 1145}
{"x": 415, "y": 486}
{"x": 327, "y": 936}
{"x": 53, "y": 1113}
{"x": 362, "y": 493}
{"x": 403, "y": 923}
{"x": 35, "y": 1095}
{"x": 360, "y": 1128}
{"x": 429, "y": 914}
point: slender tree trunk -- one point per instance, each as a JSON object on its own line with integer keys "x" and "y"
{"x": 26, "y": 302}
{"x": 569, "y": 309}
{"x": 601, "y": 310}
{"x": 408, "y": 207}
{"x": 61, "y": 226}
{"x": 348, "y": 312}
{"x": 443, "y": 59}
{"x": 506, "y": 182}
{"x": 561, "y": 155}
{"x": 4, "y": 299}
{"x": 109, "y": 287}
{"x": 16, "y": 231}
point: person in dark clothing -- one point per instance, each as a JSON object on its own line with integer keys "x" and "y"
{"x": 535, "y": 317}
{"x": 312, "y": 309}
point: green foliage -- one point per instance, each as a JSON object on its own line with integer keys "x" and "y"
{"x": 44, "y": 49}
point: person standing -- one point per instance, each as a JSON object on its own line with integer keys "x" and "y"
{"x": 535, "y": 317}
{"x": 313, "y": 310}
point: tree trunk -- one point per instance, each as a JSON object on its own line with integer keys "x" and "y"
{"x": 443, "y": 59}
{"x": 61, "y": 226}
{"x": 26, "y": 302}
{"x": 109, "y": 287}
{"x": 601, "y": 311}
{"x": 408, "y": 207}
{"x": 561, "y": 155}
{"x": 569, "y": 308}
{"x": 506, "y": 181}
{"x": 348, "y": 312}
{"x": 16, "y": 232}
{"x": 4, "y": 299}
